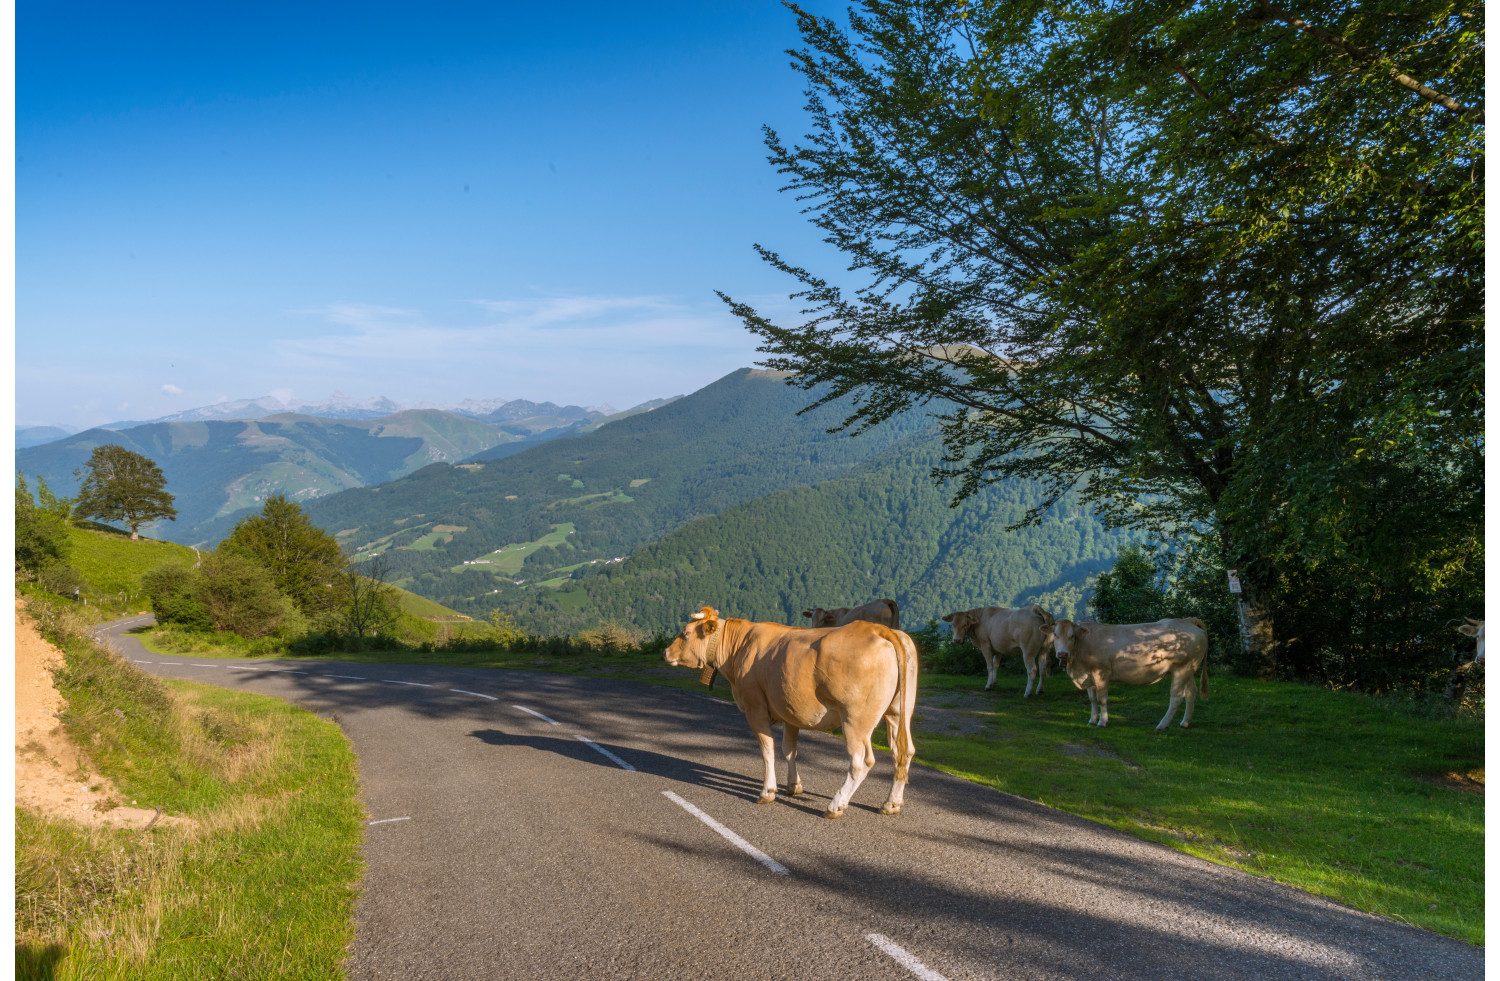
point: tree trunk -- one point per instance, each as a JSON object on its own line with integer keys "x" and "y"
{"x": 1260, "y": 633}
{"x": 135, "y": 535}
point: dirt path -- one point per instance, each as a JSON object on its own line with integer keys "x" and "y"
{"x": 52, "y": 776}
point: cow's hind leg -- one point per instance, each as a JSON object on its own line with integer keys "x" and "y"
{"x": 1175, "y": 701}
{"x": 1190, "y": 693}
{"x": 861, "y": 758}
{"x": 1101, "y": 692}
{"x": 903, "y": 749}
{"x": 789, "y": 750}
{"x": 768, "y": 753}
{"x": 1033, "y": 682}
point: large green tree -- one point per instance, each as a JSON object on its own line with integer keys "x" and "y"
{"x": 119, "y": 485}
{"x": 305, "y": 562}
{"x": 1215, "y": 265}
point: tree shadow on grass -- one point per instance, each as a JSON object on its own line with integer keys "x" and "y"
{"x": 37, "y": 962}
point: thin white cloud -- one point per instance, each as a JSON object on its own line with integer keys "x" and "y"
{"x": 170, "y": 389}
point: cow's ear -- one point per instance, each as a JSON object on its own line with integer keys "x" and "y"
{"x": 709, "y": 626}
{"x": 1469, "y": 630}
{"x": 946, "y": 619}
{"x": 807, "y": 613}
{"x": 1079, "y": 630}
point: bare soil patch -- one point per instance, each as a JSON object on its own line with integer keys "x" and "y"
{"x": 1468, "y": 783}
{"x": 52, "y": 777}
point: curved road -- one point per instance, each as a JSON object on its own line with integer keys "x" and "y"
{"x": 539, "y": 826}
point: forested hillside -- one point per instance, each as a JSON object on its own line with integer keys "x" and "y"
{"x": 596, "y": 496}
{"x": 882, "y": 530}
{"x": 724, "y": 492}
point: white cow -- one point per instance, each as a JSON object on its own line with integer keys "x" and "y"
{"x": 1094, "y": 654}
{"x": 997, "y": 630}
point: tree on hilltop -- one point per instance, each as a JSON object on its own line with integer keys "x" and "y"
{"x": 119, "y": 485}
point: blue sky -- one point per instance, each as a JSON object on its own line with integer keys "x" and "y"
{"x": 427, "y": 202}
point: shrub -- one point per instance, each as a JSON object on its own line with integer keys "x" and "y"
{"x": 60, "y": 578}
{"x": 937, "y": 653}
{"x": 612, "y": 637}
{"x": 239, "y": 596}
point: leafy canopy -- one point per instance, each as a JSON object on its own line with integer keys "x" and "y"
{"x": 119, "y": 485}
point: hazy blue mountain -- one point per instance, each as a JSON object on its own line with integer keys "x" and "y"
{"x": 27, "y": 436}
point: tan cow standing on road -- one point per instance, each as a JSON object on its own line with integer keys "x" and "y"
{"x": 850, "y": 676}
{"x": 1000, "y": 630}
{"x": 1094, "y": 654}
{"x": 881, "y": 611}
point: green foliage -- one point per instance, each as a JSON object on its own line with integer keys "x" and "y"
{"x": 123, "y": 486}
{"x": 173, "y": 591}
{"x": 1226, "y": 273}
{"x": 239, "y": 595}
{"x": 112, "y": 565}
{"x": 42, "y": 538}
{"x": 305, "y": 562}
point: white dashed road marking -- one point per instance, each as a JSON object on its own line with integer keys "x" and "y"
{"x": 346, "y": 677}
{"x": 388, "y": 820}
{"x": 203, "y": 665}
{"x": 739, "y": 842}
{"x": 537, "y": 714}
{"x": 900, "y": 956}
{"x": 414, "y": 684}
{"x": 237, "y": 667}
{"x": 479, "y": 693}
{"x": 606, "y": 752}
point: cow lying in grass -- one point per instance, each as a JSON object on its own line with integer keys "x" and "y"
{"x": 1094, "y": 654}
{"x": 998, "y": 630}
{"x": 850, "y": 676}
{"x": 881, "y": 611}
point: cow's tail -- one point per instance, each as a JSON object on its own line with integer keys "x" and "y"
{"x": 903, "y": 746}
{"x": 895, "y": 614}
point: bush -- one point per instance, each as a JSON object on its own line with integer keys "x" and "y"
{"x": 612, "y": 637}
{"x": 173, "y": 592}
{"x": 239, "y": 596}
{"x": 61, "y": 579}
{"x": 937, "y": 653}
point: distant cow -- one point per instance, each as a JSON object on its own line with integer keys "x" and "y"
{"x": 849, "y": 676}
{"x": 881, "y": 611}
{"x": 1474, "y": 628}
{"x": 1094, "y": 654}
{"x": 998, "y": 630}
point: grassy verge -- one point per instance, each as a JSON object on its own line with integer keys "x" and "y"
{"x": 1363, "y": 800}
{"x": 258, "y": 883}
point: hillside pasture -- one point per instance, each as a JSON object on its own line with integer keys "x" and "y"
{"x": 507, "y": 560}
{"x": 111, "y": 564}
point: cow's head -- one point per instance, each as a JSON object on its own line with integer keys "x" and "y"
{"x": 1048, "y": 626}
{"x": 821, "y": 617}
{"x": 1065, "y": 637}
{"x": 1474, "y": 628}
{"x": 690, "y": 649}
{"x": 964, "y": 622}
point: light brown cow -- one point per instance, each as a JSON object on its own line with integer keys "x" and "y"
{"x": 998, "y": 630}
{"x": 848, "y": 676}
{"x": 881, "y": 611}
{"x": 1094, "y": 654}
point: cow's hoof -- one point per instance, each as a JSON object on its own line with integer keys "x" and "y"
{"x": 766, "y": 798}
{"x": 830, "y": 814}
{"x": 796, "y": 790}
{"x": 889, "y": 808}
{"x": 1184, "y": 725}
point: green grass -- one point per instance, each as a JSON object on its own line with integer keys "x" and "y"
{"x": 507, "y": 561}
{"x": 261, "y": 882}
{"x": 1347, "y": 796}
{"x": 111, "y": 564}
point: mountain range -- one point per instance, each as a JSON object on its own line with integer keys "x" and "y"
{"x": 220, "y": 469}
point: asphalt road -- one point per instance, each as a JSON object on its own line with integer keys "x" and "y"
{"x": 539, "y": 826}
